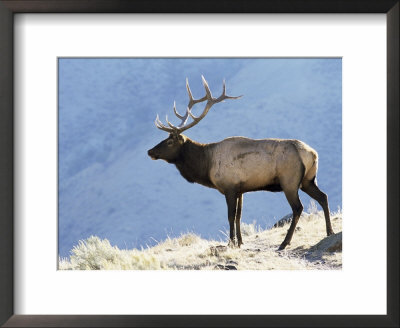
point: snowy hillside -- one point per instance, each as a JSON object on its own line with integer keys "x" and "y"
{"x": 310, "y": 249}
{"x": 110, "y": 188}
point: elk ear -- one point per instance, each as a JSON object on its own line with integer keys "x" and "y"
{"x": 181, "y": 139}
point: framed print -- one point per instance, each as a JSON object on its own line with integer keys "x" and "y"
{"x": 80, "y": 92}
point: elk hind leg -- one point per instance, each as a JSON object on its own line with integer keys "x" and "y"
{"x": 237, "y": 219}
{"x": 231, "y": 202}
{"x": 313, "y": 191}
{"x": 297, "y": 208}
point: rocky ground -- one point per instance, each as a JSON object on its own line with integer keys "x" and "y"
{"x": 310, "y": 249}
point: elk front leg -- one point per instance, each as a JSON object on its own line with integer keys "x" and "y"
{"x": 297, "y": 208}
{"x": 237, "y": 219}
{"x": 231, "y": 202}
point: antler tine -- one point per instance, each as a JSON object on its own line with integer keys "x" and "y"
{"x": 193, "y": 101}
{"x": 176, "y": 113}
{"x": 183, "y": 119}
{"x": 158, "y": 122}
{"x": 208, "y": 91}
{"x": 210, "y": 102}
{"x": 189, "y": 92}
{"x": 224, "y": 96}
{"x": 161, "y": 126}
{"x": 169, "y": 123}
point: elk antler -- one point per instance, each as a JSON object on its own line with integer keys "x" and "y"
{"x": 210, "y": 101}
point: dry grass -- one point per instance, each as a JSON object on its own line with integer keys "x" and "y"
{"x": 310, "y": 249}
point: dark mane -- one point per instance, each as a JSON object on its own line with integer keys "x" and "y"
{"x": 194, "y": 163}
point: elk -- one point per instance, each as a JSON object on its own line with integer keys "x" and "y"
{"x": 237, "y": 165}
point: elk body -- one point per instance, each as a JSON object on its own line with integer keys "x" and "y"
{"x": 237, "y": 165}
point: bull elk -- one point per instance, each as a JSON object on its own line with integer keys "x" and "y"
{"x": 237, "y": 165}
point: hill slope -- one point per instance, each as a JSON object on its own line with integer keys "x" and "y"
{"x": 310, "y": 249}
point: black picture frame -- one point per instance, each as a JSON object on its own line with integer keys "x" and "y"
{"x": 10, "y": 7}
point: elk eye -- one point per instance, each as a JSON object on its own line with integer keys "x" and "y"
{"x": 170, "y": 142}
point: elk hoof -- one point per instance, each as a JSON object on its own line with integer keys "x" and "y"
{"x": 330, "y": 232}
{"x": 282, "y": 247}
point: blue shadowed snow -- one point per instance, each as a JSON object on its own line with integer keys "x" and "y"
{"x": 109, "y": 187}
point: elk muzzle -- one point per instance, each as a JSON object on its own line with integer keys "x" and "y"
{"x": 152, "y": 154}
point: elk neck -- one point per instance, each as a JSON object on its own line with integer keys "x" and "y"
{"x": 194, "y": 162}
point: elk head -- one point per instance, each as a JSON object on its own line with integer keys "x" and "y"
{"x": 170, "y": 148}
